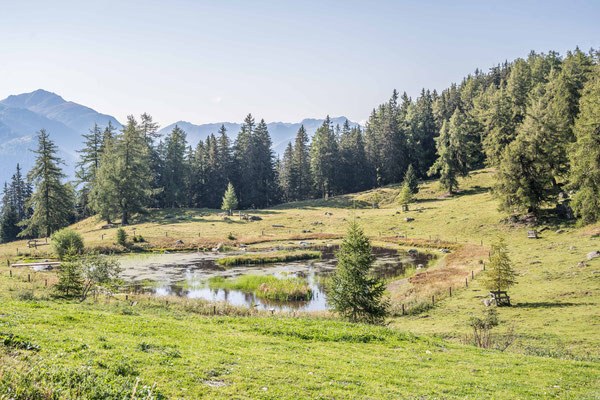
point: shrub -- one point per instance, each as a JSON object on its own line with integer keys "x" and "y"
{"x": 122, "y": 237}
{"x": 70, "y": 282}
{"x": 67, "y": 242}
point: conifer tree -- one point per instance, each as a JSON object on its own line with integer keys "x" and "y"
{"x": 456, "y": 147}
{"x": 87, "y": 168}
{"x": 124, "y": 175}
{"x": 410, "y": 179}
{"x": 354, "y": 293}
{"x": 230, "y": 202}
{"x": 405, "y": 197}
{"x": 8, "y": 218}
{"x": 324, "y": 159}
{"x": 499, "y": 275}
{"x": 175, "y": 169}
{"x": 534, "y": 163}
{"x": 301, "y": 165}
{"x": 288, "y": 175}
{"x": 585, "y": 154}
{"x": 264, "y": 162}
{"x": 52, "y": 202}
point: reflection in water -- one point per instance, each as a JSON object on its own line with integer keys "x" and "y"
{"x": 186, "y": 276}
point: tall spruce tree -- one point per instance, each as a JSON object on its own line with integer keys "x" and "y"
{"x": 52, "y": 202}
{"x": 174, "y": 173}
{"x": 301, "y": 164}
{"x": 9, "y": 220}
{"x": 288, "y": 176}
{"x": 353, "y": 292}
{"x": 324, "y": 159}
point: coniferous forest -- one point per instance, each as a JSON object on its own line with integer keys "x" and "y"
{"x": 535, "y": 121}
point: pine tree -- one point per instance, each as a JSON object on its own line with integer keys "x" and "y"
{"x": 536, "y": 161}
{"x": 266, "y": 184}
{"x": 421, "y": 133}
{"x": 410, "y": 179}
{"x": 244, "y": 176}
{"x": 405, "y": 196}
{"x": 288, "y": 176}
{"x": 175, "y": 169}
{"x": 301, "y": 164}
{"x": 9, "y": 220}
{"x": 354, "y": 293}
{"x": 53, "y": 201}
{"x": 499, "y": 275}
{"x": 585, "y": 154}
{"x": 496, "y": 112}
{"x": 324, "y": 159}
{"x": 87, "y": 168}
{"x": 124, "y": 176}
{"x": 229, "y": 199}
{"x": 456, "y": 147}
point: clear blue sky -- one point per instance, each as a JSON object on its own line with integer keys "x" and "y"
{"x": 209, "y": 61}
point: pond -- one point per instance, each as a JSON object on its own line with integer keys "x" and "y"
{"x": 187, "y": 275}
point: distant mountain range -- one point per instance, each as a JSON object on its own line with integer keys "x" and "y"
{"x": 23, "y": 115}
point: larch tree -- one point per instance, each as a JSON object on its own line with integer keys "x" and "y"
{"x": 230, "y": 202}
{"x": 585, "y": 154}
{"x": 124, "y": 176}
{"x": 52, "y": 202}
{"x": 456, "y": 147}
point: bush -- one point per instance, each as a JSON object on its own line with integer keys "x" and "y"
{"x": 67, "y": 242}
{"x": 122, "y": 237}
{"x": 70, "y": 281}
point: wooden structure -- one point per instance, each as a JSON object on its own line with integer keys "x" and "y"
{"x": 34, "y": 243}
{"x": 37, "y": 264}
{"x": 500, "y": 298}
{"x": 533, "y": 234}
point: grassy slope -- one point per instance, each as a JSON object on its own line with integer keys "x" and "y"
{"x": 556, "y": 313}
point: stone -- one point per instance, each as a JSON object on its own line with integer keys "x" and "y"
{"x": 445, "y": 250}
{"x": 278, "y": 226}
{"x": 179, "y": 242}
{"x": 219, "y": 247}
{"x": 254, "y": 218}
{"x": 413, "y": 252}
{"x": 306, "y": 231}
{"x": 559, "y": 231}
{"x": 593, "y": 254}
{"x": 328, "y": 213}
{"x": 409, "y": 219}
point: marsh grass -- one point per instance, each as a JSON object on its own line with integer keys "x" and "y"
{"x": 267, "y": 287}
{"x": 264, "y": 258}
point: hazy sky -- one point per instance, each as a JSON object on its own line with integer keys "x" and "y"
{"x": 209, "y": 61}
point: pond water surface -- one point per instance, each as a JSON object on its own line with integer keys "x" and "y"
{"x": 186, "y": 275}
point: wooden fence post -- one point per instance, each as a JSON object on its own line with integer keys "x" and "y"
{"x": 402, "y": 309}
{"x": 28, "y": 278}
{"x": 466, "y": 283}
{"x": 450, "y": 291}
{"x": 484, "y": 266}
{"x": 472, "y": 275}
{"x": 432, "y": 300}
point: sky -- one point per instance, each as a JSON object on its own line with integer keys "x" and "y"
{"x": 211, "y": 61}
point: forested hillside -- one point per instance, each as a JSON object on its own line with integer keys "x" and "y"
{"x": 536, "y": 120}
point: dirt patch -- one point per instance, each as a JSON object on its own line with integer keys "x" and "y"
{"x": 450, "y": 271}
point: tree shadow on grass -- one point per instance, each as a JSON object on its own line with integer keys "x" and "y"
{"x": 547, "y": 304}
